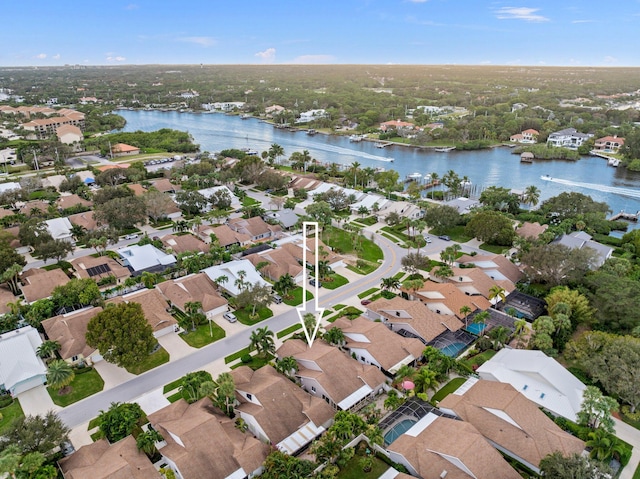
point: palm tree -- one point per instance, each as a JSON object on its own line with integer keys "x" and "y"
{"x": 287, "y": 366}
{"x": 194, "y": 313}
{"x": 285, "y": 284}
{"x": 390, "y": 283}
{"x": 603, "y": 446}
{"x": 47, "y": 348}
{"x": 434, "y": 179}
{"x": 465, "y": 310}
{"x": 355, "y": 167}
{"x": 481, "y": 318}
{"x": 404, "y": 372}
{"x": 334, "y": 336}
{"x": 443, "y": 272}
{"x": 496, "y": 292}
{"x": 146, "y": 441}
{"x": 425, "y": 379}
{"x": 393, "y": 400}
{"x": 521, "y": 329}
{"x": 499, "y": 335}
{"x": 262, "y": 341}
{"x": 225, "y": 393}
{"x": 531, "y": 195}
{"x": 276, "y": 151}
{"x": 59, "y": 374}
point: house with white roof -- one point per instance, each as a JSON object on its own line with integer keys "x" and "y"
{"x": 234, "y": 271}
{"x": 11, "y": 185}
{"x": 209, "y": 192}
{"x": 568, "y": 138}
{"x": 145, "y": 258}
{"x": 580, "y": 240}
{"x": 462, "y": 204}
{"x": 403, "y": 208}
{"x": 311, "y": 115}
{"x": 20, "y": 367}
{"x": 539, "y": 378}
{"x": 59, "y": 229}
{"x": 368, "y": 201}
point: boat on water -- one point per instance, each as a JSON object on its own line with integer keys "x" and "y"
{"x": 245, "y": 116}
{"x": 380, "y": 145}
{"x": 249, "y": 151}
{"x": 526, "y": 157}
{"x": 379, "y": 169}
{"x": 615, "y": 162}
{"x": 414, "y": 177}
{"x": 311, "y": 132}
{"x": 356, "y": 138}
{"x": 444, "y": 149}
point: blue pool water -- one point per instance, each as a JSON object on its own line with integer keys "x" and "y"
{"x": 476, "y": 328}
{"x": 396, "y": 431}
{"x": 453, "y": 349}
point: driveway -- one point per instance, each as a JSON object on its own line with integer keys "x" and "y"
{"x": 175, "y": 346}
{"x": 632, "y": 436}
{"x": 112, "y": 375}
{"x": 37, "y": 401}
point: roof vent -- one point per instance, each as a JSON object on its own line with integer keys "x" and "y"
{"x": 397, "y": 313}
{"x": 443, "y": 474}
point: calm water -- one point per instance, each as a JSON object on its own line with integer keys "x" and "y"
{"x": 494, "y": 167}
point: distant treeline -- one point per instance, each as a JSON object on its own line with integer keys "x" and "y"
{"x": 165, "y": 139}
{"x": 544, "y": 152}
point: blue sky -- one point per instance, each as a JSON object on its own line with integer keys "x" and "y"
{"x": 527, "y": 32}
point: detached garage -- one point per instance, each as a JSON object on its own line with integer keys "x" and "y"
{"x": 20, "y": 367}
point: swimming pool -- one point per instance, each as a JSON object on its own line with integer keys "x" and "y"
{"x": 476, "y": 328}
{"x": 452, "y": 350}
{"x": 396, "y": 431}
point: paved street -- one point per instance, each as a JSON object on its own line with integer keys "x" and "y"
{"x": 86, "y": 409}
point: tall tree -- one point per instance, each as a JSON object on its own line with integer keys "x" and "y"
{"x": 574, "y": 466}
{"x": 119, "y": 420}
{"x": 59, "y": 374}
{"x": 146, "y": 441}
{"x": 105, "y": 332}
{"x": 39, "y": 433}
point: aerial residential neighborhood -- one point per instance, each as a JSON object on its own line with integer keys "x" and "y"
{"x": 243, "y": 308}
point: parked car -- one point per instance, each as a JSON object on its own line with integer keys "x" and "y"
{"x": 230, "y": 317}
{"x": 277, "y": 298}
{"x": 312, "y": 282}
{"x": 444, "y": 238}
{"x": 364, "y": 302}
{"x": 131, "y": 236}
{"x": 427, "y": 239}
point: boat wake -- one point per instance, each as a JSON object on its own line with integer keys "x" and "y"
{"x": 630, "y": 192}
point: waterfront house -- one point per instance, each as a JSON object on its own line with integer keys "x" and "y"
{"x": 608, "y": 144}
{"x": 580, "y": 239}
{"x": 540, "y": 378}
{"x": 531, "y": 230}
{"x": 568, "y": 138}
{"x": 277, "y": 411}
{"x": 326, "y": 372}
{"x": 200, "y": 441}
{"x": 527, "y": 136}
{"x": 509, "y": 421}
{"x": 396, "y": 125}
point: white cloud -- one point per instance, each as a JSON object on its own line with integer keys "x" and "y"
{"x": 117, "y": 58}
{"x": 267, "y": 56}
{"x": 520, "y": 13}
{"x": 56, "y": 56}
{"x": 418, "y": 1}
{"x": 202, "y": 41}
{"x": 582, "y": 21}
{"x": 41, "y": 56}
{"x": 317, "y": 59}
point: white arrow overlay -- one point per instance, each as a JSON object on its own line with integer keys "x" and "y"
{"x": 310, "y": 314}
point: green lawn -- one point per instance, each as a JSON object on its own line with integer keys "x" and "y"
{"x": 289, "y": 330}
{"x": 399, "y": 275}
{"x": 236, "y": 355}
{"x": 82, "y": 386}
{"x": 334, "y": 281}
{"x": 248, "y": 201}
{"x": 493, "y": 248}
{"x": 256, "y": 362}
{"x": 636, "y": 475}
{"x": 9, "y": 413}
{"x": 243, "y": 315}
{"x": 479, "y": 359}
{"x": 367, "y": 292}
{"x": 343, "y": 242}
{"x": 202, "y": 335}
{"x": 174, "y": 397}
{"x": 295, "y": 297}
{"x": 457, "y": 233}
{"x": 365, "y": 269}
{"x": 171, "y": 386}
{"x": 447, "y": 389}
{"x": 352, "y": 469}
{"x": 161, "y": 356}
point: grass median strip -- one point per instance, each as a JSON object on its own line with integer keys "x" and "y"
{"x": 367, "y": 292}
{"x": 289, "y": 330}
{"x": 236, "y": 355}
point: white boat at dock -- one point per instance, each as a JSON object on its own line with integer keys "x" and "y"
{"x": 444, "y": 149}
{"x": 379, "y": 169}
{"x": 615, "y": 162}
{"x": 356, "y": 138}
{"x": 414, "y": 177}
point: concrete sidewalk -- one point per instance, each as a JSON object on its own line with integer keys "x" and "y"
{"x": 632, "y": 436}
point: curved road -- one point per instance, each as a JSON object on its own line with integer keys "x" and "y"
{"x": 89, "y": 408}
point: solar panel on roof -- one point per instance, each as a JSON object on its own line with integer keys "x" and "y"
{"x": 98, "y": 270}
